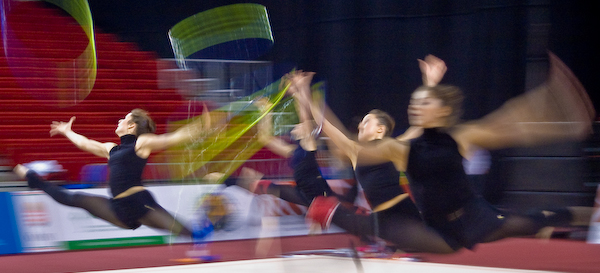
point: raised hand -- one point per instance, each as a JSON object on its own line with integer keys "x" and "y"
{"x": 302, "y": 80}
{"x": 294, "y": 79}
{"x": 61, "y": 127}
{"x": 432, "y": 69}
{"x": 300, "y": 84}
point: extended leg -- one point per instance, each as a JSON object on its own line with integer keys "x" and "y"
{"x": 532, "y": 223}
{"x": 412, "y": 235}
{"x": 309, "y": 179}
{"x": 405, "y": 231}
{"x": 160, "y": 218}
{"x": 96, "y": 205}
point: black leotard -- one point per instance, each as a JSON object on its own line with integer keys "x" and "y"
{"x": 125, "y": 166}
{"x": 442, "y": 192}
{"x": 380, "y": 183}
{"x": 437, "y": 178}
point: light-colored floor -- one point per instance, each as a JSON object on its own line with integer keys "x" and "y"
{"x": 316, "y": 264}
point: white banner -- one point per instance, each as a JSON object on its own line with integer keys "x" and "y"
{"x": 78, "y": 224}
{"x": 37, "y": 219}
{"x": 594, "y": 229}
{"x": 45, "y": 224}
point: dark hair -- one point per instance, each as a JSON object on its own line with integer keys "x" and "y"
{"x": 384, "y": 119}
{"x": 144, "y": 123}
{"x": 450, "y": 95}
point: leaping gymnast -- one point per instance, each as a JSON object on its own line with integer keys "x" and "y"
{"x": 131, "y": 204}
{"x": 394, "y": 216}
{"x": 558, "y": 110}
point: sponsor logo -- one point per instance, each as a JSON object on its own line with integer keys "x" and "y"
{"x": 35, "y": 214}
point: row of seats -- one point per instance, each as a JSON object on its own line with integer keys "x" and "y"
{"x": 101, "y": 86}
{"x": 102, "y": 63}
{"x": 38, "y": 70}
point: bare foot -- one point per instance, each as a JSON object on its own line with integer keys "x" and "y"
{"x": 20, "y": 171}
{"x": 214, "y": 177}
{"x": 249, "y": 179}
{"x": 545, "y": 233}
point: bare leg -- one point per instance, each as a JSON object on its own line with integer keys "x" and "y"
{"x": 309, "y": 179}
{"x": 406, "y": 232}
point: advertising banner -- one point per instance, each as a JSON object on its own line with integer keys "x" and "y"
{"x": 46, "y": 225}
{"x": 37, "y": 219}
{"x": 594, "y": 229}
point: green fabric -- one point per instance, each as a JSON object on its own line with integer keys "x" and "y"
{"x": 219, "y": 25}
{"x": 232, "y": 142}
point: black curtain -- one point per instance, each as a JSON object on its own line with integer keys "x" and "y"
{"x": 574, "y": 37}
{"x": 367, "y": 51}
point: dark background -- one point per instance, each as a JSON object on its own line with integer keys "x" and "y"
{"x": 367, "y": 51}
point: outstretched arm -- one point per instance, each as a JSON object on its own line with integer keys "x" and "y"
{"x": 558, "y": 110}
{"x": 303, "y": 131}
{"x": 410, "y": 133}
{"x": 389, "y": 149}
{"x": 148, "y": 143}
{"x": 303, "y": 95}
{"x": 82, "y": 142}
{"x": 274, "y": 144}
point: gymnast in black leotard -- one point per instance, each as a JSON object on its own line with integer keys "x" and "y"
{"x": 433, "y": 161}
{"x": 131, "y": 205}
{"x": 380, "y": 183}
{"x": 443, "y": 194}
{"x": 396, "y": 213}
{"x": 395, "y": 218}
{"x": 125, "y": 166}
